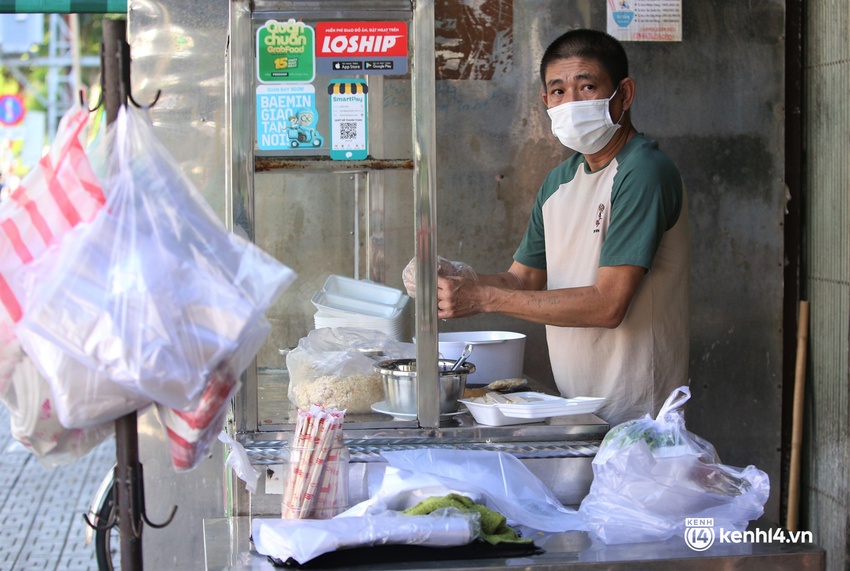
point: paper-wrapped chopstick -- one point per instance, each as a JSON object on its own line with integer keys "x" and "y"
{"x": 314, "y": 476}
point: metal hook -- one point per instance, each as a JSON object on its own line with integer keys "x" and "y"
{"x": 125, "y": 78}
{"x": 159, "y": 525}
{"x": 85, "y": 105}
{"x": 110, "y": 523}
{"x": 140, "y": 478}
{"x": 155, "y": 99}
{"x": 138, "y": 492}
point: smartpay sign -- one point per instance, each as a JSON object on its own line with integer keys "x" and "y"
{"x": 361, "y": 48}
{"x": 700, "y": 535}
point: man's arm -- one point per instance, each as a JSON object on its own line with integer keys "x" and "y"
{"x": 518, "y": 276}
{"x": 519, "y": 293}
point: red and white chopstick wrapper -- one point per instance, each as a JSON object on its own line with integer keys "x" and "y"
{"x": 315, "y": 486}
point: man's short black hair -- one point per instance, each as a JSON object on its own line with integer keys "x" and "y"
{"x": 589, "y": 44}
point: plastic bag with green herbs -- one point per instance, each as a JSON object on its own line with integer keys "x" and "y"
{"x": 650, "y": 474}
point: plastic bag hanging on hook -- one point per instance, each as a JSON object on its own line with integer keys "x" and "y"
{"x": 61, "y": 191}
{"x": 155, "y": 293}
{"x": 650, "y": 474}
{"x": 33, "y": 420}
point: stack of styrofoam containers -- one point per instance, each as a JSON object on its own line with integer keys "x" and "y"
{"x": 347, "y": 302}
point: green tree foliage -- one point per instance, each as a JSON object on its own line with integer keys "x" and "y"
{"x": 91, "y": 36}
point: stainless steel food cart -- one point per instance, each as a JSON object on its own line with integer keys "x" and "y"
{"x": 362, "y": 217}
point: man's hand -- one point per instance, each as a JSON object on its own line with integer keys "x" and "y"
{"x": 459, "y": 297}
{"x": 444, "y": 268}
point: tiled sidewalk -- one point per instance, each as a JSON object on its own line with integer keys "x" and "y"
{"x": 41, "y": 522}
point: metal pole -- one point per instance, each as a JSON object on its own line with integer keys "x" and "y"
{"x": 127, "y": 491}
{"x": 425, "y": 214}
{"x": 114, "y": 92}
{"x": 128, "y": 469}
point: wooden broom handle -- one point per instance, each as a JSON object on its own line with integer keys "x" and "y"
{"x": 797, "y": 418}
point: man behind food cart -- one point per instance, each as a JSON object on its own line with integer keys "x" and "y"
{"x": 605, "y": 261}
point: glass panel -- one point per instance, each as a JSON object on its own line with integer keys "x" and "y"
{"x": 321, "y": 216}
{"x": 308, "y": 221}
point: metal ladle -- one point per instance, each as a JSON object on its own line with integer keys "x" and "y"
{"x": 467, "y": 351}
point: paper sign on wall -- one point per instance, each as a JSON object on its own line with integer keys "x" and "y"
{"x": 287, "y": 118}
{"x": 348, "y": 130}
{"x": 645, "y": 20}
{"x": 286, "y": 52}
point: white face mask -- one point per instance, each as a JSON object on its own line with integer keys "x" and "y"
{"x": 584, "y": 126}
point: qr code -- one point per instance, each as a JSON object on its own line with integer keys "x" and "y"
{"x": 347, "y": 131}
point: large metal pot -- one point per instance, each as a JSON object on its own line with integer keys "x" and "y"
{"x": 400, "y": 388}
{"x": 499, "y": 354}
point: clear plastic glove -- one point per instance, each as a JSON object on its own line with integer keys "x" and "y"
{"x": 444, "y": 268}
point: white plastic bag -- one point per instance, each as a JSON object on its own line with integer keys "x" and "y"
{"x": 240, "y": 462}
{"x": 32, "y": 412}
{"x": 58, "y": 196}
{"x": 651, "y": 474}
{"x": 155, "y": 293}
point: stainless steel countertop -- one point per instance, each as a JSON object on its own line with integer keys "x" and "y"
{"x": 228, "y": 547}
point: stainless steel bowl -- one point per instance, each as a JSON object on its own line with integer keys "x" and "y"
{"x": 400, "y": 387}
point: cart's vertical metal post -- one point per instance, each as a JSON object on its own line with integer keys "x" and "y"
{"x": 127, "y": 489}
{"x": 127, "y": 468}
{"x": 239, "y": 168}
{"x": 376, "y": 266}
{"x": 425, "y": 213}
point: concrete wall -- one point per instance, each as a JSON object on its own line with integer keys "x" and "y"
{"x": 825, "y": 489}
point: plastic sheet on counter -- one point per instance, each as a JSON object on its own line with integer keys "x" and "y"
{"x": 497, "y": 480}
{"x": 304, "y": 539}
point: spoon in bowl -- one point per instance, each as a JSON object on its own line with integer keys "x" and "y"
{"x": 467, "y": 351}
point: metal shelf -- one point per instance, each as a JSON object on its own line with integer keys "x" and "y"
{"x": 326, "y": 164}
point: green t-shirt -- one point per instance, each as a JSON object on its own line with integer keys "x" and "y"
{"x": 631, "y": 212}
{"x": 644, "y": 201}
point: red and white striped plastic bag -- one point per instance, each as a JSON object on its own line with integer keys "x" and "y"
{"x": 56, "y": 195}
{"x": 192, "y": 433}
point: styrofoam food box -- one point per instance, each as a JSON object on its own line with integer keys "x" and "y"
{"x": 548, "y": 405}
{"x": 495, "y": 414}
{"x": 364, "y": 290}
{"x": 327, "y": 301}
{"x": 490, "y": 414}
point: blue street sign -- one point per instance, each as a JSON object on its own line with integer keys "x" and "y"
{"x": 11, "y": 110}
